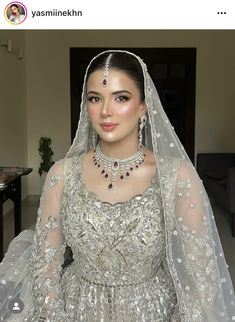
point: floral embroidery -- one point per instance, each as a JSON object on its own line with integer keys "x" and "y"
{"x": 54, "y": 179}
{"x": 52, "y": 223}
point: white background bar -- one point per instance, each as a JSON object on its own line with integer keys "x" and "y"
{"x": 123, "y": 14}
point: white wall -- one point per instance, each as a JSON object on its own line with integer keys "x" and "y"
{"x": 13, "y": 116}
{"x": 48, "y": 84}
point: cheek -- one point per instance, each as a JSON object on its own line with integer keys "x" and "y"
{"x": 93, "y": 112}
{"x": 130, "y": 109}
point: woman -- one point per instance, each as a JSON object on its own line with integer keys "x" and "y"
{"x": 16, "y": 16}
{"x": 131, "y": 207}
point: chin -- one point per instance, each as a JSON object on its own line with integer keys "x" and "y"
{"x": 109, "y": 139}
{"x": 113, "y": 139}
{"x": 114, "y": 136}
{"x": 108, "y": 136}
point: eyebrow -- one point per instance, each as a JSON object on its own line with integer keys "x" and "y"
{"x": 113, "y": 93}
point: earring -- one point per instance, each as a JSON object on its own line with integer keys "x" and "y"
{"x": 143, "y": 121}
{"x": 94, "y": 138}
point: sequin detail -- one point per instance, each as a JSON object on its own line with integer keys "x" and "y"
{"x": 118, "y": 251}
{"x": 54, "y": 179}
{"x": 52, "y": 223}
{"x": 119, "y": 270}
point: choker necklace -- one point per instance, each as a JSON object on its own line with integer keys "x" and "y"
{"x": 109, "y": 167}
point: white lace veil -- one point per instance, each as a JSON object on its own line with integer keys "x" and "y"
{"x": 194, "y": 255}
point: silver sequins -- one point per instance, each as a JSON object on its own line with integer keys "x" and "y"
{"x": 54, "y": 179}
{"x": 52, "y": 223}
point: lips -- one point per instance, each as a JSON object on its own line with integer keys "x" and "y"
{"x": 108, "y": 126}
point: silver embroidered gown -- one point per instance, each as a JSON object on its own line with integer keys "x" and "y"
{"x": 119, "y": 271}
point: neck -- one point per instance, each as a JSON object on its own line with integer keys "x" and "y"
{"x": 121, "y": 149}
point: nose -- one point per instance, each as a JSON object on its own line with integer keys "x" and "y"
{"x": 106, "y": 109}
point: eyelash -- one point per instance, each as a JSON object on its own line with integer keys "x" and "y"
{"x": 92, "y": 99}
{"x": 121, "y": 99}
{"x": 126, "y": 98}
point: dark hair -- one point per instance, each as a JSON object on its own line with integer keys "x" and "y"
{"x": 14, "y": 5}
{"x": 124, "y": 62}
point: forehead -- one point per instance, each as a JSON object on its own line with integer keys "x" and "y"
{"x": 116, "y": 79}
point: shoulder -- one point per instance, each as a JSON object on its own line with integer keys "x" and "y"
{"x": 186, "y": 170}
{"x": 68, "y": 166}
{"x": 174, "y": 168}
{"x": 187, "y": 175}
{"x": 57, "y": 167}
{"x": 56, "y": 173}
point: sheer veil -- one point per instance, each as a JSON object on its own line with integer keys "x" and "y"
{"x": 194, "y": 255}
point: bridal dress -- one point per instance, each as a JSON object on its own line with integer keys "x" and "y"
{"x": 155, "y": 257}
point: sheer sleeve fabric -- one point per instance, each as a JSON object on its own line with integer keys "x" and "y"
{"x": 195, "y": 254}
{"x": 47, "y": 255}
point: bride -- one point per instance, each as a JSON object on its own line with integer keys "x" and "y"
{"x": 129, "y": 204}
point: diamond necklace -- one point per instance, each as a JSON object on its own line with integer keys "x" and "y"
{"x": 109, "y": 167}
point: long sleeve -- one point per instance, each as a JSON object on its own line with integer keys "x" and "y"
{"x": 201, "y": 284}
{"x": 195, "y": 252}
{"x": 47, "y": 254}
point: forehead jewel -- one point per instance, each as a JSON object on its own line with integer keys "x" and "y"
{"x": 106, "y": 70}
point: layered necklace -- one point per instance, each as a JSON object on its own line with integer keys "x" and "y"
{"x": 110, "y": 168}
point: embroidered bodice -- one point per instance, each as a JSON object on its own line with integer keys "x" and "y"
{"x": 120, "y": 245}
{"x": 118, "y": 271}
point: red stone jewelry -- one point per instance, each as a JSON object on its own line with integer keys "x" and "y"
{"x": 110, "y": 167}
{"x": 106, "y": 70}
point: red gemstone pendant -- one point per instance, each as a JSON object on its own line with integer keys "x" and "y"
{"x": 115, "y": 165}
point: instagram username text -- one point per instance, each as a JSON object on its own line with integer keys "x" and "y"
{"x": 56, "y": 13}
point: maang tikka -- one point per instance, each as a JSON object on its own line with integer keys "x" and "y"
{"x": 106, "y": 70}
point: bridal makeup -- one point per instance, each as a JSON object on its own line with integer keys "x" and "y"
{"x": 114, "y": 110}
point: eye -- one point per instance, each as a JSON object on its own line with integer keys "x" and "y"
{"x": 93, "y": 99}
{"x": 122, "y": 98}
